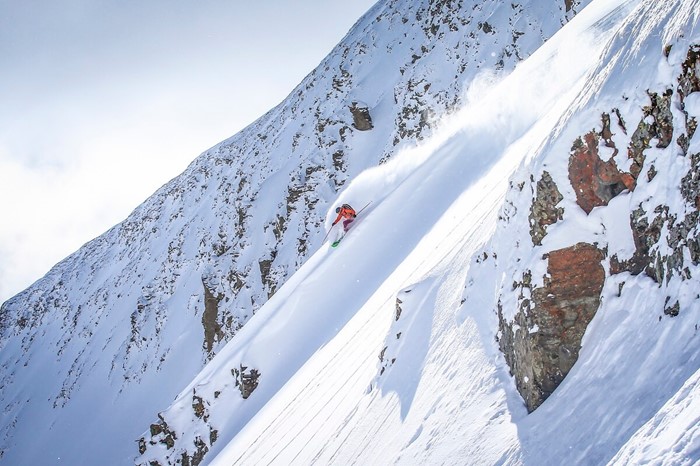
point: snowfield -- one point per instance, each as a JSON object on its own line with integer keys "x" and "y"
{"x": 389, "y": 348}
{"x": 383, "y": 351}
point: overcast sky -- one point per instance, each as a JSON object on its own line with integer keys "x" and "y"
{"x": 102, "y": 102}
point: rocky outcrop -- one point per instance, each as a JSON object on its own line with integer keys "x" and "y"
{"x": 664, "y": 239}
{"x": 597, "y": 181}
{"x": 393, "y": 342}
{"x": 594, "y": 180}
{"x": 189, "y": 448}
{"x": 361, "y": 119}
{"x": 210, "y": 321}
{"x": 177, "y": 451}
{"x": 268, "y": 275}
{"x": 414, "y": 118}
{"x": 661, "y": 256}
{"x": 246, "y": 380}
{"x": 540, "y": 329}
{"x": 542, "y": 342}
{"x": 689, "y": 82}
{"x": 656, "y": 123}
{"x": 645, "y": 235}
{"x": 689, "y": 79}
{"x": 544, "y": 210}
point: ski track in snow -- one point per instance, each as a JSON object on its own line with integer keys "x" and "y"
{"x": 672, "y": 436}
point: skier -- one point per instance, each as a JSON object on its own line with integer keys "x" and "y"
{"x": 346, "y": 212}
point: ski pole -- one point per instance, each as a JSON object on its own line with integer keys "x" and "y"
{"x": 366, "y": 205}
{"x": 327, "y": 233}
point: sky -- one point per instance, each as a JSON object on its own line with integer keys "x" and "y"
{"x": 104, "y": 102}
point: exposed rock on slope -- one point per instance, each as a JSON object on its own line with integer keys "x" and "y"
{"x": 545, "y": 314}
{"x": 362, "y": 120}
{"x": 544, "y": 210}
{"x": 542, "y": 343}
{"x": 594, "y": 180}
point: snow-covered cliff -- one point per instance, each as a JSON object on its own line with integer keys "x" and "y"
{"x": 111, "y": 334}
{"x": 523, "y": 289}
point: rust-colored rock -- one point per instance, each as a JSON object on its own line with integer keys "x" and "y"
{"x": 575, "y": 277}
{"x": 542, "y": 343}
{"x": 595, "y": 181}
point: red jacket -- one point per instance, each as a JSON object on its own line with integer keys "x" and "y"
{"x": 345, "y": 212}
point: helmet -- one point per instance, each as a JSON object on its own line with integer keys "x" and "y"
{"x": 337, "y": 210}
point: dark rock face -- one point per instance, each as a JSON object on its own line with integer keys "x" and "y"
{"x": 210, "y": 322}
{"x": 266, "y": 274}
{"x": 201, "y": 449}
{"x": 246, "y": 380}
{"x": 689, "y": 80}
{"x": 690, "y": 185}
{"x": 542, "y": 343}
{"x": 645, "y": 235}
{"x": 660, "y": 128}
{"x": 165, "y": 436}
{"x": 544, "y": 210}
{"x": 682, "y": 238}
{"x": 160, "y": 434}
{"x": 361, "y": 119}
{"x": 389, "y": 353}
{"x": 570, "y": 4}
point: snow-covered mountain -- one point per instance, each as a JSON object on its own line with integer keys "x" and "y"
{"x": 92, "y": 351}
{"x": 523, "y": 289}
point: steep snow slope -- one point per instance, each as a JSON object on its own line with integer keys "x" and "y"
{"x": 388, "y": 349}
{"x": 642, "y": 344}
{"x": 111, "y": 334}
{"x": 672, "y": 436}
